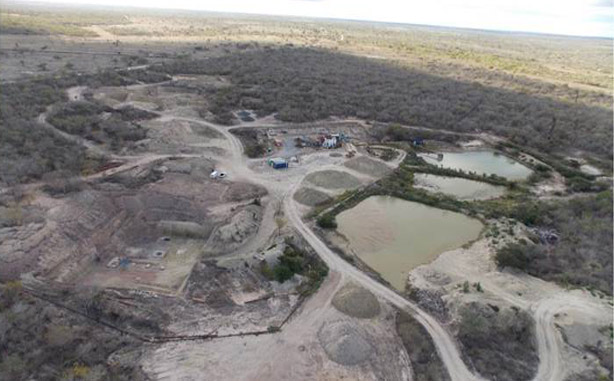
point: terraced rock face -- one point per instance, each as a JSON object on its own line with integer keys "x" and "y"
{"x": 345, "y": 343}
{"x": 241, "y": 226}
{"x": 356, "y": 301}
{"x": 126, "y": 217}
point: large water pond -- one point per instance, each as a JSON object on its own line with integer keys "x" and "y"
{"x": 462, "y": 189}
{"x": 480, "y": 162}
{"x": 394, "y": 236}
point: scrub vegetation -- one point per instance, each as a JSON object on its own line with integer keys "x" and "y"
{"x": 100, "y": 124}
{"x": 41, "y": 341}
{"x": 296, "y": 261}
{"x": 302, "y": 84}
{"x": 499, "y": 341}
{"x": 29, "y": 150}
{"x": 153, "y": 247}
{"x": 581, "y": 256}
{"x": 426, "y": 365}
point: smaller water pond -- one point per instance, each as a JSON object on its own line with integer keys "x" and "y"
{"x": 462, "y": 189}
{"x": 488, "y": 162}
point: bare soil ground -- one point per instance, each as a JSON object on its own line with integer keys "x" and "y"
{"x": 166, "y": 248}
{"x": 296, "y": 352}
{"x": 310, "y": 197}
{"x": 550, "y": 306}
{"x": 368, "y": 166}
{"x": 330, "y": 179}
{"x": 356, "y": 301}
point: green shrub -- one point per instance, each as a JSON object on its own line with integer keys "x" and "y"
{"x": 513, "y": 255}
{"x": 282, "y": 273}
{"x": 327, "y": 221}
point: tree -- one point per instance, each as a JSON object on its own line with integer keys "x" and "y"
{"x": 327, "y": 221}
{"x": 282, "y": 273}
{"x": 513, "y": 255}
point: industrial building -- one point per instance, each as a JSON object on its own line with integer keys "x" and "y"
{"x": 277, "y": 162}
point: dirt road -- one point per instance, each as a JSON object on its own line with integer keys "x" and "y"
{"x": 42, "y": 120}
{"x": 549, "y": 341}
{"x": 548, "y": 338}
{"x": 446, "y": 346}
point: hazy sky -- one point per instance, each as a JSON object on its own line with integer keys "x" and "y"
{"x": 574, "y": 17}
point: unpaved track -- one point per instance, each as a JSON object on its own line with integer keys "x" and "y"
{"x": 550, "y": 344}
{"x": 42, "y": 120}
{"x": 446, "y": 347}
{"x": 548, "y": 339}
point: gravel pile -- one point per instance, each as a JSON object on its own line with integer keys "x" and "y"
{"x": 356, "y": 301}
{"x": 344, "y": 343}
{"x": 310, "y": 197}
{"x": 368, "y": 166}
{"x": 330, "y": 179}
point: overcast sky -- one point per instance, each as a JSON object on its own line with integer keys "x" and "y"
{"x": 572, "y": 17}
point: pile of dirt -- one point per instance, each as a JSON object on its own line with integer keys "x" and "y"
{"x": 205, "y": 131}
{"x": 356, "y": 301}
{"x": 311, "y": 197}
{"x": 368, "y": 166}
{"x": 345, "y": 343}
{"x": 330, "y": 179}
{"x": 239, "y": 191}
{"x": 240, "y": 227}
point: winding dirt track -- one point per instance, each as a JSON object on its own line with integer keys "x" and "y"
{"x": 446, "y": 346}
{"x": 450, "y": 355}
{"x": 549, "y": 342}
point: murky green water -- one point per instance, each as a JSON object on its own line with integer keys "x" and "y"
{"x": 481, "y": 162}
{"x": 462, "y": 189}
{"x": 394, "y": 236}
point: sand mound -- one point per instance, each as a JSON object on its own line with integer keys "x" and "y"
{"x": 330, "y": 179}
{"x": 310, "y": 196}
{"x": 368, "y": 166}
{"x": 344, "y": 343}
{"x": 356, "y": 301}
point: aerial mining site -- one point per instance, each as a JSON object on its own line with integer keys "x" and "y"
{"x": 199, "y": 196}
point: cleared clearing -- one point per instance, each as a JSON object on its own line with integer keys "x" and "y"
{"x": 311, "y": 197}
{"x": 368, "y": 166}
{"x": 356, "y": 301}
{"x": 330, "y": 179}
{"x": 345, "y": 343}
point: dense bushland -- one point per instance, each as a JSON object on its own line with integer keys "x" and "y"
{"x": 29, "y": 150}
{"x": 301, "y": 84}
{"x": 582, "y": 254}
{"x": 101, "y": 124}
{"x": 499, "y": 341}
{"x": 41, "y": 341}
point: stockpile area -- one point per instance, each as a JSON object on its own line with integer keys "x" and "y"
{"x": 368, "y": 166}
{"x": 180, "y": 136}
{"x": 345, "y": 343}
{"x": 144, "y": 226}
{"x": 330, "y": 179}
{"x": 356, "y": 301}
{"x": 311, "y": 197}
